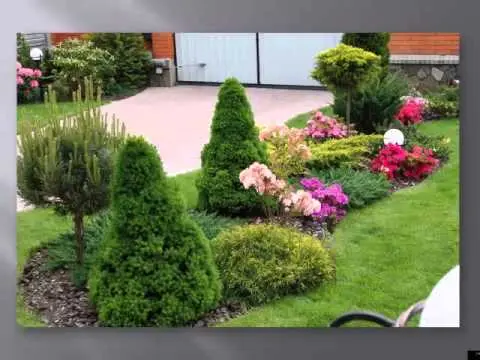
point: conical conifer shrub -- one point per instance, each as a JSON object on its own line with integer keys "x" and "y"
{"x": 234, "y": 145}
{"x": 155, "y": 267}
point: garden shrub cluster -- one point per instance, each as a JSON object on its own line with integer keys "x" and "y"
{"x": 117, "y": 62}
{"x": 155, "y": 267}
{"x": 444, "y": 103}
{"x": 147, "y": 261}
{"x": 261, "y": 263}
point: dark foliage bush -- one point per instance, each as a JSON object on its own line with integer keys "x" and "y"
{"x": 234, "y": 145}
{"x": 362, "y": 186}
{"x": 23, "y": 52}
{"x": 133, "y": 62}
{"x": 373, "y": 42}
{"x": 155, "y": 267}
{"x": 374, "y": 106}
{"x": 444, "y": 103}
{"x": 261, "y": 263}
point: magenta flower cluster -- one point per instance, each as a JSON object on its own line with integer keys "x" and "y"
{"x": 334, "y": 200}
{"x": 324, "y": 127}
{"x": 27, "y": 76}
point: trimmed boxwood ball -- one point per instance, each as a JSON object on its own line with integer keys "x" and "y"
{"x": 155, "y": 267}
{"x": 261, "y": 263}
{"x": 234, "y": 145}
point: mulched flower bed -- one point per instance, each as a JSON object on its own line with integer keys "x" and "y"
{"x": 61, "y": 304}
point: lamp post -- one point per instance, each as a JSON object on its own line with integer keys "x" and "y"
{"x": 36, "y": 55}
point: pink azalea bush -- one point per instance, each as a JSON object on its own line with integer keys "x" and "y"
{"x": 27, "y": 79}
{"x": 265, "y": 182}
{"x": 412, "y": 110}
{"x": 322, "y": 127}
{"x": 288, "y": 151}
{"x": 334, "y": 201}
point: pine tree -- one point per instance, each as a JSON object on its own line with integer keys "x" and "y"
{"x": 155, "y": 267}
{"x": 68, "y": 162}
{"x": 376, "y": 43}
{"x": 234, "y": 145}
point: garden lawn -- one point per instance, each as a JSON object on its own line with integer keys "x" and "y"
{"x": 38, "y": 112}
{"x": 389, "y": 255}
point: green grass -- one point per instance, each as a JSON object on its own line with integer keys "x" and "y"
{"x": 38, "y": 112}
{"x": 300, "y": 121}
{"x": 389, "y": 255}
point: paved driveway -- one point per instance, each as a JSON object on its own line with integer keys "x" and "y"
{"x": 177, "y": 120}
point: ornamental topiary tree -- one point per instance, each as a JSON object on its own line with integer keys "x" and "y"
{"x": 345, "y": 68}
{"x": 133, "y": 63}
{"x": 155, "y": 267}
{"x": 376, "y": 43}
{"x": 67, "y": 163}
{"x": 234, "y": 145}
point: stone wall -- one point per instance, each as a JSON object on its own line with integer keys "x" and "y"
{"x": 427, "y": 72}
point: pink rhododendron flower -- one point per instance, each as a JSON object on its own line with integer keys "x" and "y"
{"x": 20, "y": 80}
{"x": 37, "y": 73}
{"x": 19, "y": 66}
{"x": 332, "y": 198}
{"x": 302, "y": 202}
{"x": 25, "y": 72}
{"x": 260, "y": 177}
{"x": 324, "y": 127}
{"x": 34, "y": 84}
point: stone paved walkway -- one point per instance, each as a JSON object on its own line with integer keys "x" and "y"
{"x": 177, "y": 120}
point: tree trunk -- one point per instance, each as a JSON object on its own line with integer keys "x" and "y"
{"x": 79, "y": 230}
{"x": 349, "y": 105}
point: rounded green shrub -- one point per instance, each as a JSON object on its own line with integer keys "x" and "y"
{"x": 261, "y": 263}
{"x": 155, "y": 267}
{"x": 234, "y": 145}
{"x": 345, "y": 68}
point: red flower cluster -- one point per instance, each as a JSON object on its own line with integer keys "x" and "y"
{"x": 396, "y": 162}
{"x": 411, "y": 112}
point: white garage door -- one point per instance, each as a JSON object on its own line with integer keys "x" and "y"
{"x": 213, "y": 57}
{"x": 288, "y": 59}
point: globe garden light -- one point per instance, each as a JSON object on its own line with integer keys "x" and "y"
{"x": 393, "y": 136}
{"x": 36, "y": 54}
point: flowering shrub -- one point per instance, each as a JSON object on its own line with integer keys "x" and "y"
{"x": 265, "y": 182}
{"x": 288, "y": 152}
{"x": 420, "y": 163}
{"x": 397, "y": 163}
{"x": 27, "y": 80}
{"x": 412, "y": 110}
{"x": 322, "y": 127}
{"x": 334, "y": 201}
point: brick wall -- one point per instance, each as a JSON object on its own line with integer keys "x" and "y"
{"x": 424, "y": 43}
{"x": 162, "y": 45}
{"x": 57, "y": 38}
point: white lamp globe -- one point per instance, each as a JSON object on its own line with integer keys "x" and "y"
{"x": 393, "y": 136}
{"x": 36, "y": 54}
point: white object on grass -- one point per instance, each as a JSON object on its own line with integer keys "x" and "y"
{"x": 442, "y": 308}
{"x": 393, "y": 136}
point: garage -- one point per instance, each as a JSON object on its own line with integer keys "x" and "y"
{"x": 284, "y": 59}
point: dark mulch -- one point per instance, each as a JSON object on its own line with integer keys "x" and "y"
{"x": 53, "y": 296}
